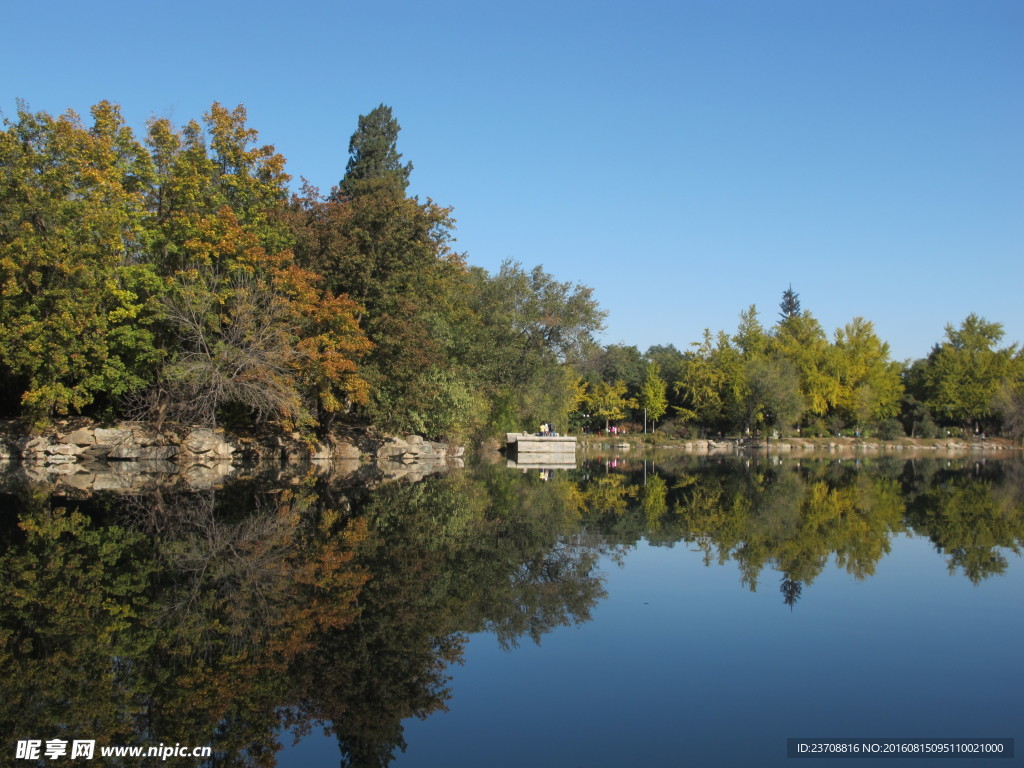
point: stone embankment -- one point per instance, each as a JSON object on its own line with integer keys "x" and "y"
{"x": 137, "y": 457}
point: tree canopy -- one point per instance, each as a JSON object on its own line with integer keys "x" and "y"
{"x": 178, "y": 276}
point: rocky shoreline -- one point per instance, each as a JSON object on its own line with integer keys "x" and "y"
{"x": 133, "y": 456}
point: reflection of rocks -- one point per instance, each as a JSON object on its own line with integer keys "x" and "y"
{"x": 414, "y": 471}
{"x": 346, "y": 452}
{"x": 138, "y": 476}
{"x": 118, "y": 481}
{"x": 341, "y": 469}
{"x": 415, "y": 448}
{"x": 137, "y": 452}
{"x": 81, "y": 481}
{"x": 203, "y": 477}
{"x": 412, "y": 458}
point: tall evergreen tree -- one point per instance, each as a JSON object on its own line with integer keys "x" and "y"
{"x": 375, "y": 162}
{"x": 790, "y": 304}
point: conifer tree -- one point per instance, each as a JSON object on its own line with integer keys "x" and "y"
{"x": 375, "y": 162}
{"x": 790, "y": 304}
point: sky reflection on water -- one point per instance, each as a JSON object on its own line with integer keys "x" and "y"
{"x": 682, "y": 666}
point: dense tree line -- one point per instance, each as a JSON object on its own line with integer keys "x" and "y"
{"x": 176, "y": 277}
{"x": 791, "y": 379}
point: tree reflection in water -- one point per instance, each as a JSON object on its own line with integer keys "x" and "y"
{"x": 231, "y": 617}
{"x": 226, "y": 616}
{"x": 795, "y": 516}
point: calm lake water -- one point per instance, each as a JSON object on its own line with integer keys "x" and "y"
{"x": 668, "y": 612}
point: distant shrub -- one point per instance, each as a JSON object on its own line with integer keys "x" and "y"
{"x": 675, "y": 429}
{"x": 816, "y": 427}
{"x": 890, "y": 429}
{"x": 927, "y": 428}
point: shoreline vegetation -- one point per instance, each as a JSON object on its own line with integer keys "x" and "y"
{"x": 179, "y": 278}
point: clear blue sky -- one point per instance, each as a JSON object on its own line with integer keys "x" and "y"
{"x": 685, "y": 159}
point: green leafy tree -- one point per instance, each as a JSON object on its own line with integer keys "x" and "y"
{"x": 667, "y": 357}
{"x": 914, "y": 411}
{"x": 560, "y": 317}
{"x": 801, "y": 340}
{"x": 525, "y": 333}
{"x": 621, "y": 362}
{"x": 750, "y": 337}
{"x": 248, "y": 331}
{"x": 670, "y": 361}
{"x": 652, "y": 397}
{"x": 456, "y": 350}
{"x": 1009, "y": 402}
{"x": 774, "y": 398}
{"x": 216, "y": 195}
{"x": 963, "y": 374}
{"x": 78, "y": 305}
{"x": 870, "y": 384}
{"x": 608, "y": 401}
{"x": 701, "y": 384}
